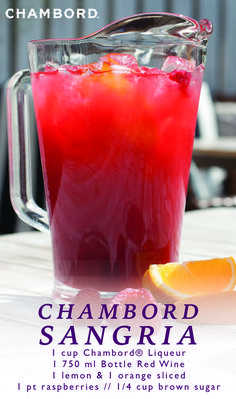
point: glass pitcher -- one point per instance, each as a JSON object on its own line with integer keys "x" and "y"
{"x": 116, "y": 114}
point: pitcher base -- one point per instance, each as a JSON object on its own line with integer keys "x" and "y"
{"x": 67, "y": 293}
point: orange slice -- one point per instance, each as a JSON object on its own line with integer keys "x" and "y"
{"x": 174, "y": 281}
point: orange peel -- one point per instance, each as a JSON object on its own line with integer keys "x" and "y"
{"x": 171, "y": 282}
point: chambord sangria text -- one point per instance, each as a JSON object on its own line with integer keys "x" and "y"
{"x": 137, "y": 325}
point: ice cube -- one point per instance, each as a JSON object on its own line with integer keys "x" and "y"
{"x": 51, "y": 67}
{"x": 200, "y": 68}
{"x": 127, "y": 60}
{"x": 151, "y": 71}
{"x": 173, "y": 62}
{"x": 69, "y": 68}
{"x": 81, "y": 69}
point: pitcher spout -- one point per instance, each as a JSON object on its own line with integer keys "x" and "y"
{"x": 206, "y": 28}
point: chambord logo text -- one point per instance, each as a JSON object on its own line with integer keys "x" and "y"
{"x": 55, "y": 13}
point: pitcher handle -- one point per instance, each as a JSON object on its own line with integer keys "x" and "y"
{"x": 18, "y": 91}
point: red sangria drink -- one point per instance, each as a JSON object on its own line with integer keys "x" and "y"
{"x": 116, "y": 143}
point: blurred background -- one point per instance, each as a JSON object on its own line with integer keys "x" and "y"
{"x": 213, "y": 171}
